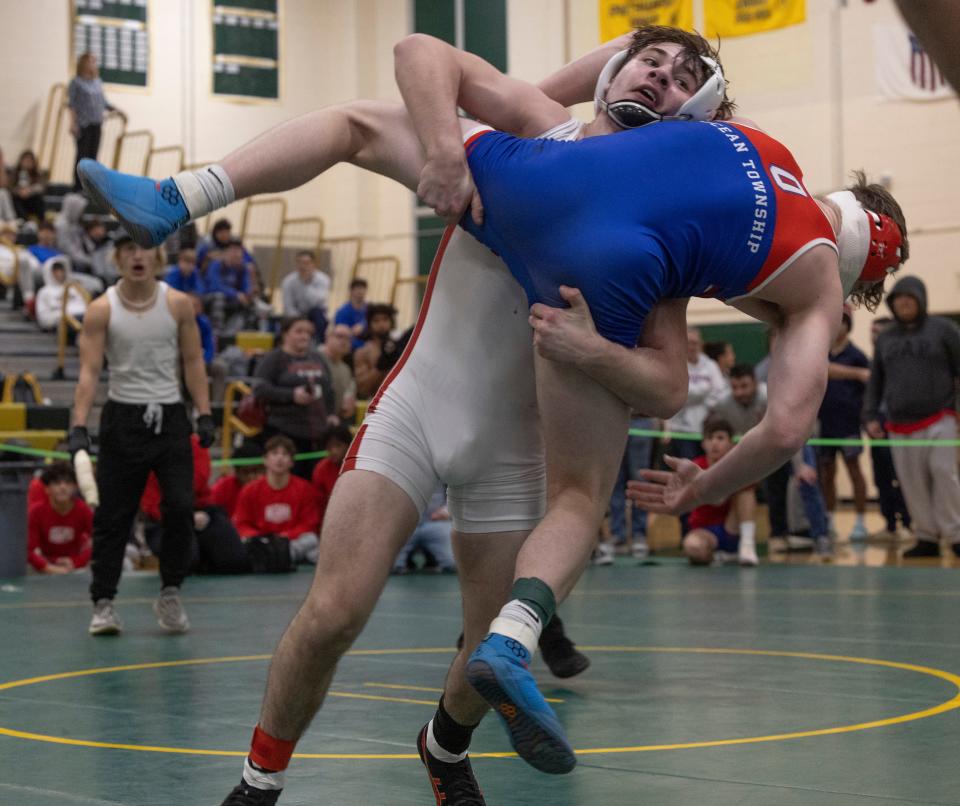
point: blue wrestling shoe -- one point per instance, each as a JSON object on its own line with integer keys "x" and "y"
{"x": 499, "y": 671}
{"x": 149, "y": 210}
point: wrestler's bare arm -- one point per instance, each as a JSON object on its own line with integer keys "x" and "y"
{"x": 575, "y": 82}
{"x": 434, "y": 79}
{"x": 651, "y": 378}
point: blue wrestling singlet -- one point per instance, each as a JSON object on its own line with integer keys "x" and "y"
{"x": 674, "y": 209}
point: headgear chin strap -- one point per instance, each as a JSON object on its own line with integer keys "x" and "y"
{"x": 869, "y": 243}
{"x": 702, "y": 105}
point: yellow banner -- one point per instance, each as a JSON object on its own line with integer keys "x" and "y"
{"x": 622, "y": 16}
{"x": 725, "y": 18}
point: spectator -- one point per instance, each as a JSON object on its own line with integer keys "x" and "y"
{"x": 294, "y": 383}
{"x": 305, "y": 292}
{"x": 705, "y": 389}
{"x": 353, "y": 313}
{"x": 216, "y": 371}
{"x": 183, "y": 275}
{"x": 70, "y": 241}
{"x": 746, "y": 404}
{"x": 226, "y": 489}
{"x": 803, "y": 466}
{"x": 916, "y": 367}
{"x": 716, "y": 532}
{"x": 211, "y": 248}
{"x": 722, "y": 353}
{"x": 840, "y": 412}
{"x": 98, "y": 249}
{"x": 379, "y": 352}
{"x": 227, "y": 289}
{"x": 328, "y": 469}
{"x": 7, "y": 211}
{"x": 432, "y": 535}
{"x": 33, "y": 259}
{"x": 60, "y": 527}
{"x": 28, "y": 186}
{"x": 50, "y": 297}
{"x": 280, "y": 504}
{"x": 892, "y": 504}
{"x": 217, "y": 548}
{"x": 336, "y": 348}
{"x": 637, "y": 456}
{"x": 87, "y": 104}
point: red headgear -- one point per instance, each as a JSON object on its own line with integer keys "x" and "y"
{"x": 884, "y": 252}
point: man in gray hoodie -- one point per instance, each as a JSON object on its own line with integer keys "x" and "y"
{"x": 916, "y": 366}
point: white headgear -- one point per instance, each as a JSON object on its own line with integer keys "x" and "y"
{"x": 702, "y": 105}
{"x": 869, "y": 243}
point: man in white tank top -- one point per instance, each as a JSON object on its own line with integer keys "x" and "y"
{"x": 144, "y": 328}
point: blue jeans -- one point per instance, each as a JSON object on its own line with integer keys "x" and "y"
{"x": 432, "y": 536}
{"x": 637, "y": 457}
{"x": 812, "y": 496}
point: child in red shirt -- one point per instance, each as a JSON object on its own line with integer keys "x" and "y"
{"x": 60, "y": 528}
{"x": 325, "y": 472}
{"x": 716, "y": 531}
{"x": 226, "y": 489}
{"x": 280, "y": 504}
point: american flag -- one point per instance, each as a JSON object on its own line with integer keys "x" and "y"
{"x": 923, "y": 72}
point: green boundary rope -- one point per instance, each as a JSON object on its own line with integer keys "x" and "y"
{"x": 864, "y": 442}
{"x": 256, "y": 460}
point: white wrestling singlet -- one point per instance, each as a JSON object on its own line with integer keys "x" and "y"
{"x": 460, "y": 406}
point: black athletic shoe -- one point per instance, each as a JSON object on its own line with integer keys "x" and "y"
{"x": 924, "y": 548}
{"x": 245, "y": 795}
{"x": 453, "y": 784}
{"x": 563, "y": 659}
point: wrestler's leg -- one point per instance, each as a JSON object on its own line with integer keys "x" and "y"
{"x": 375, "y": 135}
{"x": 355, "y": 536}
{"x": 485, "y": 564}
{"x": 584, "y": 432}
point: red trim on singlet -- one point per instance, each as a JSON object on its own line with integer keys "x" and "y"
{"x": 808, "y": 226}
{"x": 350, "y": 461}
{"x": 468, "y": 143}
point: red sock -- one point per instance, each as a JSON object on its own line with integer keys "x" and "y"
{"x": 269, "y": 754}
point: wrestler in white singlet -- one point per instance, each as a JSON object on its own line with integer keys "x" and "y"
{"x": 460, "y": 406}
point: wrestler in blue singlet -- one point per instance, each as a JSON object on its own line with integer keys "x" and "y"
{"x": 674, "y": 209}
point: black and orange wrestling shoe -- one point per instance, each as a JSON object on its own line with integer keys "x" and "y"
{"x": 453, "y": 784}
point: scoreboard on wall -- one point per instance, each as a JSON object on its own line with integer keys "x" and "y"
{"x": 246, "y": 48}
{"x": 116, "y": 32}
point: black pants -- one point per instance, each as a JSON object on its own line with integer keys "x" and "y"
{"x": 129, "y": 450}
{"x": 216, "y": 549}
{"x": 88, "y": 145}
{"x": 29, "y": 207}
{"x": 775, "y": 491}
{"x": 888, "y": 488}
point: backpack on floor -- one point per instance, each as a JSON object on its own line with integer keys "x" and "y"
{"x": 269, "y": 554}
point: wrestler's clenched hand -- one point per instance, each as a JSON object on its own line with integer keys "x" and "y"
{"x": 567, "y": 335}
{"x": 447, "y": 186}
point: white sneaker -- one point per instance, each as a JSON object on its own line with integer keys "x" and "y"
{"x": 723, "y": 558}
{"x": 169, "y": 610}
{"x": 603, "y": 554}
{"x": 105, "y": 620}
{"x": 825, "y": 548}
{"x": 640, "y": 551}
{"x": 747, "y": 555}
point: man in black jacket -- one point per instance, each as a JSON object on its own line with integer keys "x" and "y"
{"x": 916, "y": 366}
